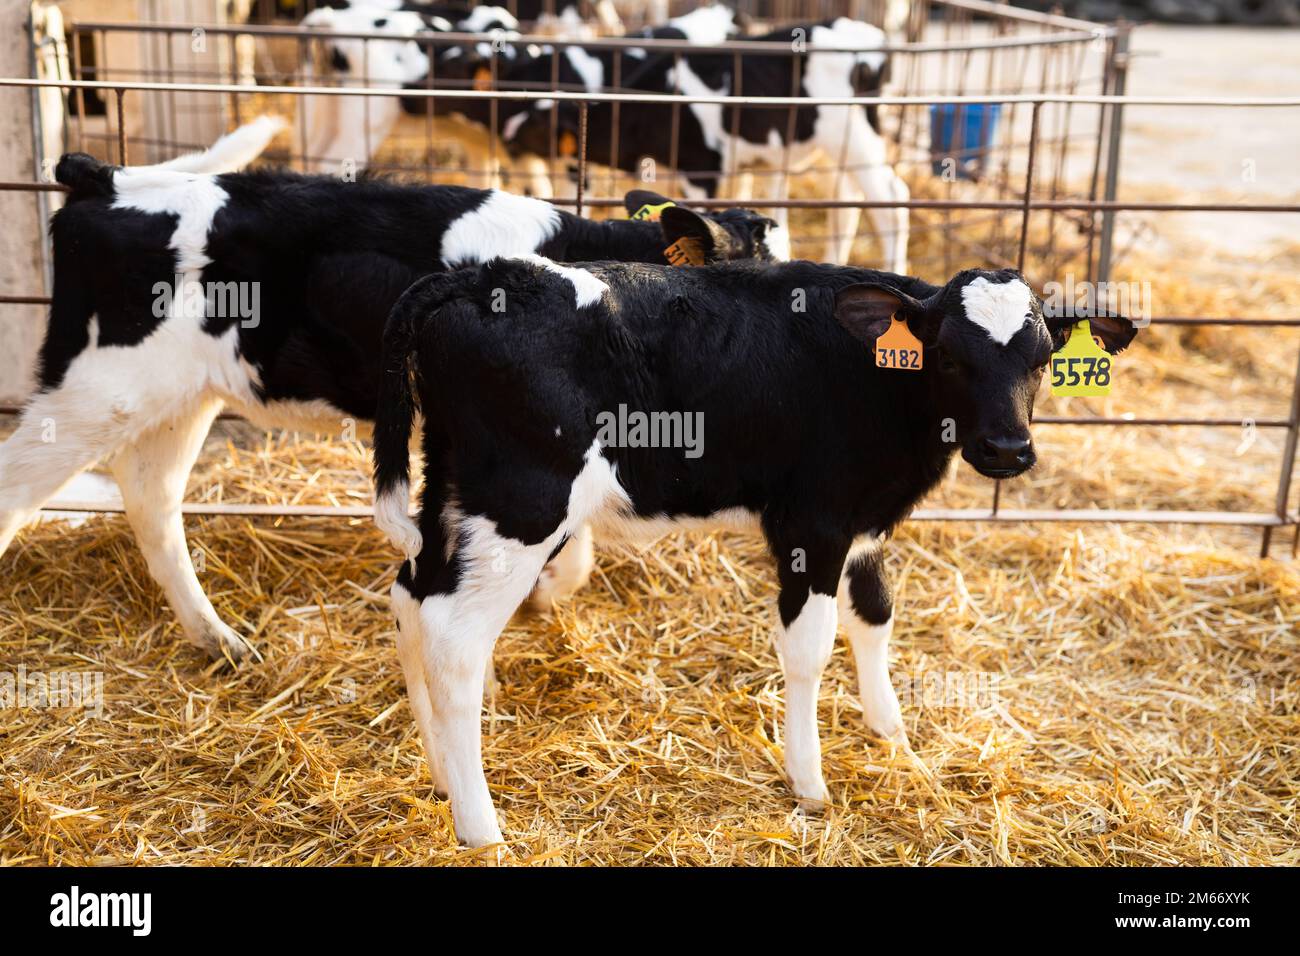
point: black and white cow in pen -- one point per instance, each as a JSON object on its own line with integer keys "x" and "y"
{"x": 516, "y": 367}
{"x": 846, "y": 138}
{"x": 347, "y": 129}
{"x": 131, "y": 371}
{"x": 352, "y": 129}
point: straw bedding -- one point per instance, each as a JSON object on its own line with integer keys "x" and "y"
{"x": 1074, "y": 695}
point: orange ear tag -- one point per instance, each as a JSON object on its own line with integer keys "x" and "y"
{"x": 650, "y": 212}
{"x": 1082, "y": 366}
{"x": 899, "y": 348}
{"x": 483, "y": 79}
{"x": 685, "y": 251}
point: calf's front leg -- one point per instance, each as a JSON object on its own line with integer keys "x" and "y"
{"x": 868, "y": 612}
{"x": 808, "y": 566}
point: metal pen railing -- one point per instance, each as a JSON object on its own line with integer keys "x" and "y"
{"x": 1281, "y": 516}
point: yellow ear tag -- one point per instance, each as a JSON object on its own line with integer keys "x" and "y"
{"x": 1082, "y": 366}
{"x": 650, "y": 212}
{"x": 685, "y": 251}
{"x": 898, "y": 347}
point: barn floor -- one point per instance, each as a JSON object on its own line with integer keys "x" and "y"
{"x": 1094, "y": 696}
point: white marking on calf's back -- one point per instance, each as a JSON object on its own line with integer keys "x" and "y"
{"x": 587, "y": 289}
{"x": 503, "y": 226}
{"x": 194, "y": 199}
{"x": 999, "y": 308}
{"x": 482, "y": 17}
{"x": 706, "y": 25}
{"x": 846, "y": 33}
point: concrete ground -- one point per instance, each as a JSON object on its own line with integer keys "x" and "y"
{"x": 1229, "y": 154}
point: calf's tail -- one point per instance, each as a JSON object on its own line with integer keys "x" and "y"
{"x": 399, "y": 400}
{"x": 88, "y": 176}
{"x": 232, "y": 152}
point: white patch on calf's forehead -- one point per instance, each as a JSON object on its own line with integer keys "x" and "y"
{"x": 587, "y": 289}
{"x": 999, "y": 308}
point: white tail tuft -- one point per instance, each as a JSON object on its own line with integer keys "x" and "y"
{"x": 392, "y": 515}
{"x": 232, "y": 152}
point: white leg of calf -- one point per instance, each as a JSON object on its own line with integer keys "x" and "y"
{"x": 320, "y": 128}
{"x": 407, "y": 611}
{"x": 842, "y": 224}
{"x": 891, "y": 225}
{"x": 805, "y": 648}
{"x": 151, "y": 471}
{"x": 459, "y": 631}
{"x": 870, "y": 643}
{"x": 850, "y": 134}
{"x": 568, "y": 572}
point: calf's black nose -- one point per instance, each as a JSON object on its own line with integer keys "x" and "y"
{"x": 1003, "y": 453}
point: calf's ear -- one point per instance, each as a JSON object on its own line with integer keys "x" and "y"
{"x": 1114, "y": 331}
{"x": 637, "y": 198}
{"x": 865, "y": 309}
{"x": 678, "y": 222}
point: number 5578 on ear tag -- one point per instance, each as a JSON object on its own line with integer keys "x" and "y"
{"x": 1081, "y": 367}
{"x": 898, "y": 347}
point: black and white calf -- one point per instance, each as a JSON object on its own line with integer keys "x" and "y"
{"x": 804, "y": 440}
{"x": 847, "y": 137}
{"x": 343, "y": 129}
{"x": 350, "y": 128}
{"x": 132, "y": 371}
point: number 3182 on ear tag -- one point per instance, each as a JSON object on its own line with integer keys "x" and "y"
{"x": 898, "y": 347}
{"x": 1081, "y": 367}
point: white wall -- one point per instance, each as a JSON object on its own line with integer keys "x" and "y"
{"x": 21, "y": 267}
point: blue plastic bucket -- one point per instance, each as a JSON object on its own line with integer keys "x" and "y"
{"x": 963, "y": 133}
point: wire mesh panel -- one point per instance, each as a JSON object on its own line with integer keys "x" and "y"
{"x": 953, "y": 154}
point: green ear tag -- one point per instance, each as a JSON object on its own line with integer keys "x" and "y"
{"x": 1081, "y": 367}
{"x": 650, "y": 212}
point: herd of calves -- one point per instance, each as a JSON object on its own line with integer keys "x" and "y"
{"x": 568, "y": 378}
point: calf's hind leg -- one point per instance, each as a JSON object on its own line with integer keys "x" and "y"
{"x": 151, "y": 471}
{"x": 460, "y": 605}
{"x": 60, "y": 434}
{"x": 567, "y": 572}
